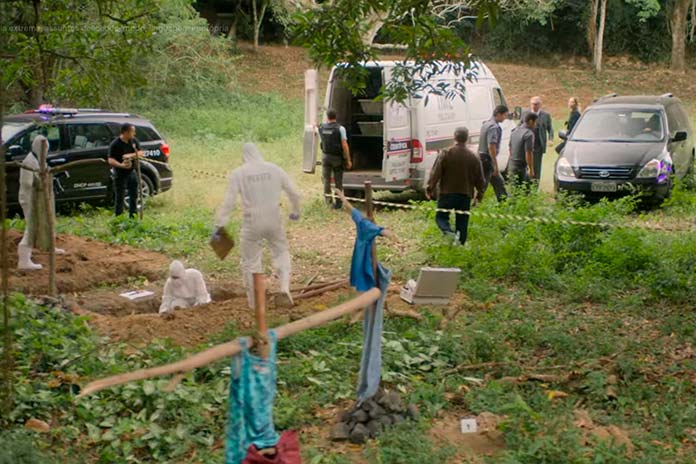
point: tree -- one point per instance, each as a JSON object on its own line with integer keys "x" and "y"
{"x": 336, "y": 32}
{"x": 258, "y": 11}
{"x": 646, "y": 9}
{"x": 678, "y": 25}
{"x": 59, "y": 49}
{"x": 599, "y": 8}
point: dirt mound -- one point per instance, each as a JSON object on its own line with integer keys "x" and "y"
{"x": 140, "y": 324}
{"x": 86, "y": 264}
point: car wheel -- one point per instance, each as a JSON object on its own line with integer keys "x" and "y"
{"x": 146, "y": 191}
{"x": 690, "y": 178}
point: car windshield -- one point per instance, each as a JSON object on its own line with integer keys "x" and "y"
{"x": 619, "y": 125}
{"x": 10, "y": 129}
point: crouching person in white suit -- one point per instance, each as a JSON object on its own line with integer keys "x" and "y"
{"x": 184, "y": 288}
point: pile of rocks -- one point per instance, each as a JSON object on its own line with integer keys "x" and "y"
{"x": 368, "y": 420}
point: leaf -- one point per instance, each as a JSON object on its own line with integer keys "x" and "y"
{"x": 149, "y": 388}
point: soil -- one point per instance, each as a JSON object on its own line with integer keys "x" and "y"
{"x": 87, "y": 264}
{"x": 281, "y": 69}
{"x": 470, "y": 447}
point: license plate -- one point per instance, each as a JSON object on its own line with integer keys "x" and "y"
{"x": 604, "y": 187}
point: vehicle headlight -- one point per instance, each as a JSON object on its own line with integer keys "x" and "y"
{"x": 654, "y": 169}
{"x": 564, "y": 169}
{"x": 474, "y": 139}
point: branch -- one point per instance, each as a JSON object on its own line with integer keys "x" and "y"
{"x": 233, "y": 348}
{"x": 125, "y": 21}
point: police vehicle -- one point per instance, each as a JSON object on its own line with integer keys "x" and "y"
{"x": 83, "y": 134}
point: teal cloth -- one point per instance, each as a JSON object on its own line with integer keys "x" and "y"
{"x": 250, "y": 409}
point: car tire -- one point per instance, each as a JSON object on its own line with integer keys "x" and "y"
{"x": 147, "y": 189}
{"x": 690, "y": 177}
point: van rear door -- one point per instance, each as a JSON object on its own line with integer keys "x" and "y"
{"x": 398, "y": 144}
{"x": 310, "y": 141}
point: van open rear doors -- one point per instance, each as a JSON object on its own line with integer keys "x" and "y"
{"x": 398, "y": 140}
{"x": 311, "y": 140}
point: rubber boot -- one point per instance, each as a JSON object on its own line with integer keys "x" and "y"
{"x": 24, "y": 261}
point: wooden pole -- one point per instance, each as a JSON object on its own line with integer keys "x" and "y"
{"x": 260, "y": 312}
{"x": 232, "y": 348}
{"x": 7, "y": 364}
{"x": 141, "y": 205}
{"x": 47, "y": 189}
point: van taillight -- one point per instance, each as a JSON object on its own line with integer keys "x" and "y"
{"x": 417, "y": 155}
{"x": 164, "y": 148}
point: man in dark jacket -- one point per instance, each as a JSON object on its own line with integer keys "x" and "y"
{"x": 335, "y": 154}
{"x": 457, "y": 174}
{"x": 543, "y": 133}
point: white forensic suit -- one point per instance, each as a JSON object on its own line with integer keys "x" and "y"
{"x": 184, "y": 288}
{"x": 26, "y": 198}
{"x": 259, "y": 184}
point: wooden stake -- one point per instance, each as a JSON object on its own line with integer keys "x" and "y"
{"x": 232, "y": 348}
{"x": 7, "y": 361}
{"x": 141, "y": 205}
{"x": 47, "y": 190}
{"x": 261, "y": 338}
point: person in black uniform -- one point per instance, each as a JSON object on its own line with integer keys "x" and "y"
{"x": 335, "y": 155}
{"x": 122, "y": 151}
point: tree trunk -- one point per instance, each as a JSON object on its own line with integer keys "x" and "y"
{"x": 678, "y": 24}
{"x": 693, "y": 21}
{"x": 232, "y": 33}
{"x": 7, "y": 360}
{"x": 599, "y": 39}
{"x": 259, "y": 10}
{"x": 592, "y": 27}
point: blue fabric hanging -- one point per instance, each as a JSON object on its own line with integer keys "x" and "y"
{"x": 250, "y": 410}
{"x": 371, "y": 362}
{"x": 362, "y": 275}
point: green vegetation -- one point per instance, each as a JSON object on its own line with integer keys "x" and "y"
{"x": 602, "y": 315}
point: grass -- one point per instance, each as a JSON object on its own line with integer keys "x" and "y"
{"x": 609, "y": 313}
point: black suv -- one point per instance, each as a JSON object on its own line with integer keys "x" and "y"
{"x": 625, "y": 145}
{"x": 79, "y": 134}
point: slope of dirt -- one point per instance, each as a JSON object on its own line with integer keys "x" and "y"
{"x": 281, "y": 69}
{"x": 86, "y": 264}
{"x": 139, "y": 324}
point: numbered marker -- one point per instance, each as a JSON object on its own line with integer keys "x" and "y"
{"x": 469, "y": 425}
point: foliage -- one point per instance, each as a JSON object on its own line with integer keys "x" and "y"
{"x": 584, "y": 262}
{"x": 60, "y": 52}
{"x": 18, "y": 448}
{"x": 336, "y": 33}
{"x": 135, "y": 423}
{"x": 186, "y": 63}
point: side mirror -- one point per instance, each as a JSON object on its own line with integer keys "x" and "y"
{"x": 563, "y": 135}
{"x": 517, "y": 113}
{"x": 680, "y": 136}
{"x": 15, "y": 150}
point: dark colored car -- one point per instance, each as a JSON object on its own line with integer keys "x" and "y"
{"x": 79, "y": 134}
{"x": 628, "y": 144}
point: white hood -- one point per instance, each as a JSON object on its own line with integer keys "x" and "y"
{"x": 39, "y": 144}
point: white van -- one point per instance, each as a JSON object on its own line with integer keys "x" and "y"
{"x": 395, "y": 145}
